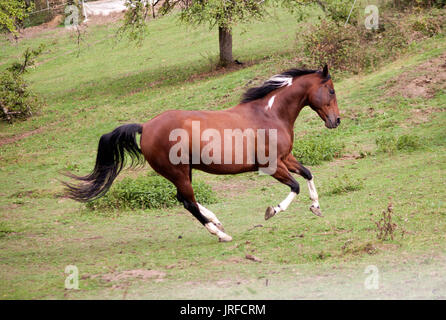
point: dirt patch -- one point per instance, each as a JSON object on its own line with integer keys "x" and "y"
{"x": 419, "y": 116}
{"x": 422, "y": 81}
{"x": 20, "y": 136}
{"x": 131, "y": 274}
{"x": 225, "y": 283}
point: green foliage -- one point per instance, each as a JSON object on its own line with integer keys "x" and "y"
{"x": 386, "y": 144}
{"x": 344, "y": 184}
{"x": 339, "y": 11}
{"x": 148, "y": 192}
{"x": 16, "y": 100}
{"x": 427, "y": 25}
{"x": 406, "y": 142}
{"x": 333, "y": 44}
{"x": 221, "y": 13}
{"x": 4, "y": 229}
{"x": 134, "y": 25}
{"x": 313, "y": 150}
{"x": 12, "y": 13}
{"x": 353, "y": 48}
{"x": 420, "y": 3}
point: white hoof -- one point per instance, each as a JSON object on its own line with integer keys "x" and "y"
{"x": 225, "y": 238}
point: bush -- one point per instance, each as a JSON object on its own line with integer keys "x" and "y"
{"x": 316, "y": 149}
{"x": 353, "y": 48}
{"x": 427, "y": 25}
{"x": 148, "y": 192}
{"x": 408, "y": 143}
{"x": 386, "y": 144}
{"x": 333, "y": 44}
{"x": 345, "y": 184}
{"x": 16, "y": 100}
{"x": 405, "y": 142}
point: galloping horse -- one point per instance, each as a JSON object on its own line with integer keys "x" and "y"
{"x": 271, "y": 108}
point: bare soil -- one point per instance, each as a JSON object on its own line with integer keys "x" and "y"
{"x": 422, "y": 81}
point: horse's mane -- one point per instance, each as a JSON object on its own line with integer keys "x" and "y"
{"x": 273, "y": 83}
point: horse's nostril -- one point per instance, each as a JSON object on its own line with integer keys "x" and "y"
{"x": 338, "y": 121}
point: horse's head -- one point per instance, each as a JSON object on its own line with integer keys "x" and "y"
{"x": 322, "y": 99}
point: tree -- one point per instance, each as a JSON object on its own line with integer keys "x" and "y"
{"x": 223, "y": 14}
{"x": 12, "y": 13}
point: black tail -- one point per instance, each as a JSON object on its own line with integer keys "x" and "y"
{"x": 109, "y": 162}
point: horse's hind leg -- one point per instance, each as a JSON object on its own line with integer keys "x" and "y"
{"x": 296, "y": 167}
{"x": 185, "y": 194}
{"x": 211, "y": 216}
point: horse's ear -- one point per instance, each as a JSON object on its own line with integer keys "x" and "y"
{"x": 325, "y": 71}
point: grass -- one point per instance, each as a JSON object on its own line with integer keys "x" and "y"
{"x": 148, "y": 193}
{"x": 42, "y": 233}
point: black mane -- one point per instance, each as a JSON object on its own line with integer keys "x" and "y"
{"x": 273, "y": 84}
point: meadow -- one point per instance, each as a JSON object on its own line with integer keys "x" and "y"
{"x": 391, "y": 150}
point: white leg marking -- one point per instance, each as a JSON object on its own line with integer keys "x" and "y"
{"x": 270, "y": 103}
{"x": 223, "y": 237}
{"x": 285, "y": 203}
{"x": 313, "y": 193}
{"x": 211, "y": 216}
{"x": 208, "y": 214}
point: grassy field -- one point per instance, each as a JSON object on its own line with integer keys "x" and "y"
{"x": 166, "y": 254}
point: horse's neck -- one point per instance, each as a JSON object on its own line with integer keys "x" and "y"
{"x": 289, "y": 101}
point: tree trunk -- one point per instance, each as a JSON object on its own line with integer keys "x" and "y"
{"x": 225, "y": 41}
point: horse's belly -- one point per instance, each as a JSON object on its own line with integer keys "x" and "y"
{"x": 225, "y": 168}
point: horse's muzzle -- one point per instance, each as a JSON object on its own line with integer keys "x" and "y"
{"x": 332, "y": 123}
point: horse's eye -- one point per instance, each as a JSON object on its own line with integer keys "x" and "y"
{"x": 331, "y": 91}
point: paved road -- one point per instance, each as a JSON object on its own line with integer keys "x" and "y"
{"x": 104, "y": 7}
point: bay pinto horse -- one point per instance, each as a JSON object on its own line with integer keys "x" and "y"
{"x": 273, "y": 105}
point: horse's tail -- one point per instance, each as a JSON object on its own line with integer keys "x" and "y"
{"x": 109, "y": 162}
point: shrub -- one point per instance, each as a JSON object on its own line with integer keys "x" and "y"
{"x": 408, "y": 143}
{"x": 316, "y": 149}
{"x": 385, "y": 226}
{"x": 333, "y": 44}
{"x": 148, "y": 192}
{"x": 386, "y": 144}
{"x": 353, "y": 48}
{"x": 405, "y": 142}
{"x": 427, "y": 25}
{"x": 16, "y": 100}
{"x": 344, "y": 184}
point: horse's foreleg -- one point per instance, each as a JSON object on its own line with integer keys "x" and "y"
{"x": 296, "y": 167}
{"x": 283, "y": 175}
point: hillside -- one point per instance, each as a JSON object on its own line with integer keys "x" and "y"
{"x": 393, "y": 151}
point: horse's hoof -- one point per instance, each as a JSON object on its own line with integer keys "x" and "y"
{"x": 317, "y": 211}
{"x": 220, "y": 227}
{"x": 225, "y": 238}
{"x": 269, "y": 213}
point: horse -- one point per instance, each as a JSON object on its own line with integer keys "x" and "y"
{"x": 177, "y": 141}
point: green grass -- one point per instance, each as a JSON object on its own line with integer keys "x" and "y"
{"x": 302, "y": 255}
{"x": 152, "y": 192}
